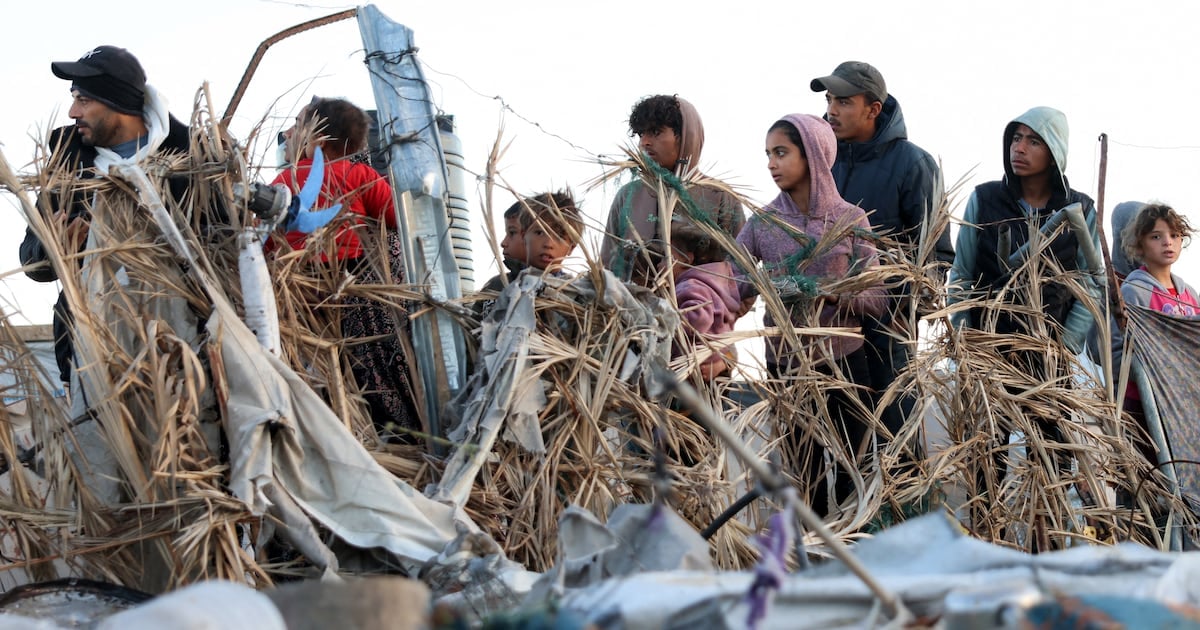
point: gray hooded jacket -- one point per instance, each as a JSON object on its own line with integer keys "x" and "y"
{"x": 1051, "y": 125}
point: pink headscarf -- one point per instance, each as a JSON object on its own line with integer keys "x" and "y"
{"x": 820, "y": 149}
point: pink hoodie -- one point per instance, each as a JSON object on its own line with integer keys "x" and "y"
{"x": 708, "y": 299}
{"x": 764, "y": 240}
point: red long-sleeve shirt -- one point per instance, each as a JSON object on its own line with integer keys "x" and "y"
{"x": 360, "y": 190}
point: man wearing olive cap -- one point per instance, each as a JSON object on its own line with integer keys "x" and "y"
{"x": 900, "y": 186}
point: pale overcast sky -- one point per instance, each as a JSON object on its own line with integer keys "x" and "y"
{"x": 570, "y": 72}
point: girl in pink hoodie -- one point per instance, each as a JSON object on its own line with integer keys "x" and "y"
{"x": 800, "y": 152}
{"x": 789, "y": 238}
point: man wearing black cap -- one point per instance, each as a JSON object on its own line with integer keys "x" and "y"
{"x": 117, "y": 117}
{"x": 899, "y": 185}
{"x": 114, "y": 79}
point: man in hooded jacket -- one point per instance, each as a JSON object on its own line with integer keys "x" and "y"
{"x": 995, "y": 224}
{"x": 670, "y": 133}
{"x": 900, "y": 186}
{"x": 999, "y": 218}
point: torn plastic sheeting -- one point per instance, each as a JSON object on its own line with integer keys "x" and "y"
{"x": 667, "y": 599}
{"x": 490, "y": 391}
{"x": 924, "y": 561}
{"x": 1169, "y": 349}
{"x": 498, "y": 401}
{"x": 281, "y": 432}
{"x": 509, "y": 342}
{"x": 935, "y": 545}
{"x": 637, "y": 538}
{"x": 653, "y": 319}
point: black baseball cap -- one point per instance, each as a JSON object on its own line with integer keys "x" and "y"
{"x": 850, "y": 78}
{"x": 109, "y": 74}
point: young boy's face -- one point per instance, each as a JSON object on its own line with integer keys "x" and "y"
{"x": 512, "y": 246}
{"x": 662, "y": 145}
{"x": 545, "y": 249}
{"x": 1028, "y": 153}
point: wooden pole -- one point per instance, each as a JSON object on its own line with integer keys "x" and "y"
{"x": 1103, "y": 175}
{"x": 1114, "y": 287}
{"x": 1100, "y": 181}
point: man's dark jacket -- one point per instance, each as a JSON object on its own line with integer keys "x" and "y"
{"x": 898, "y": 183}
{"x": 80, "y": 158}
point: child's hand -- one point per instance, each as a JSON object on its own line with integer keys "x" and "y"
{"x": 711, "y": 370}
{"x": 746, "y": 305}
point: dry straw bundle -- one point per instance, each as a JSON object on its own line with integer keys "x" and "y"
{"x": 147, "y": 367}
{"x": 596, "y": 430}
{"x": 1030, "y": 448}
{"x": 142, "y": 367}
{"x": 603, "y": 438}
{"x": 571, "y": 383}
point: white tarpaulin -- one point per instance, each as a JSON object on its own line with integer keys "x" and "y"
{"x": 291, "y": 455}
{"x": 284, "y": 438}
{"x": 938, "y": 572}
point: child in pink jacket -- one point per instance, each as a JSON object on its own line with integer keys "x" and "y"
{"x": 705, "y": 291}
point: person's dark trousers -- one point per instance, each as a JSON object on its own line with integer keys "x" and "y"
{"x": 847, "y": 419}
{"x": 886, "y": 358}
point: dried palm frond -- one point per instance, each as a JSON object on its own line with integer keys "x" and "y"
{"x": 607, "y": 436}
{"x": 142, "y": 354}
{"x": 602, "y": 437}
{"x": 1071, "y": 455}
{"x": 598, "y": 433}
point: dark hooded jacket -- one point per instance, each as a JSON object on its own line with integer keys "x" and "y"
{"x": 81, "y": 159}
{"x": 995, "y": 224}
{"x": 898, "y": 183}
